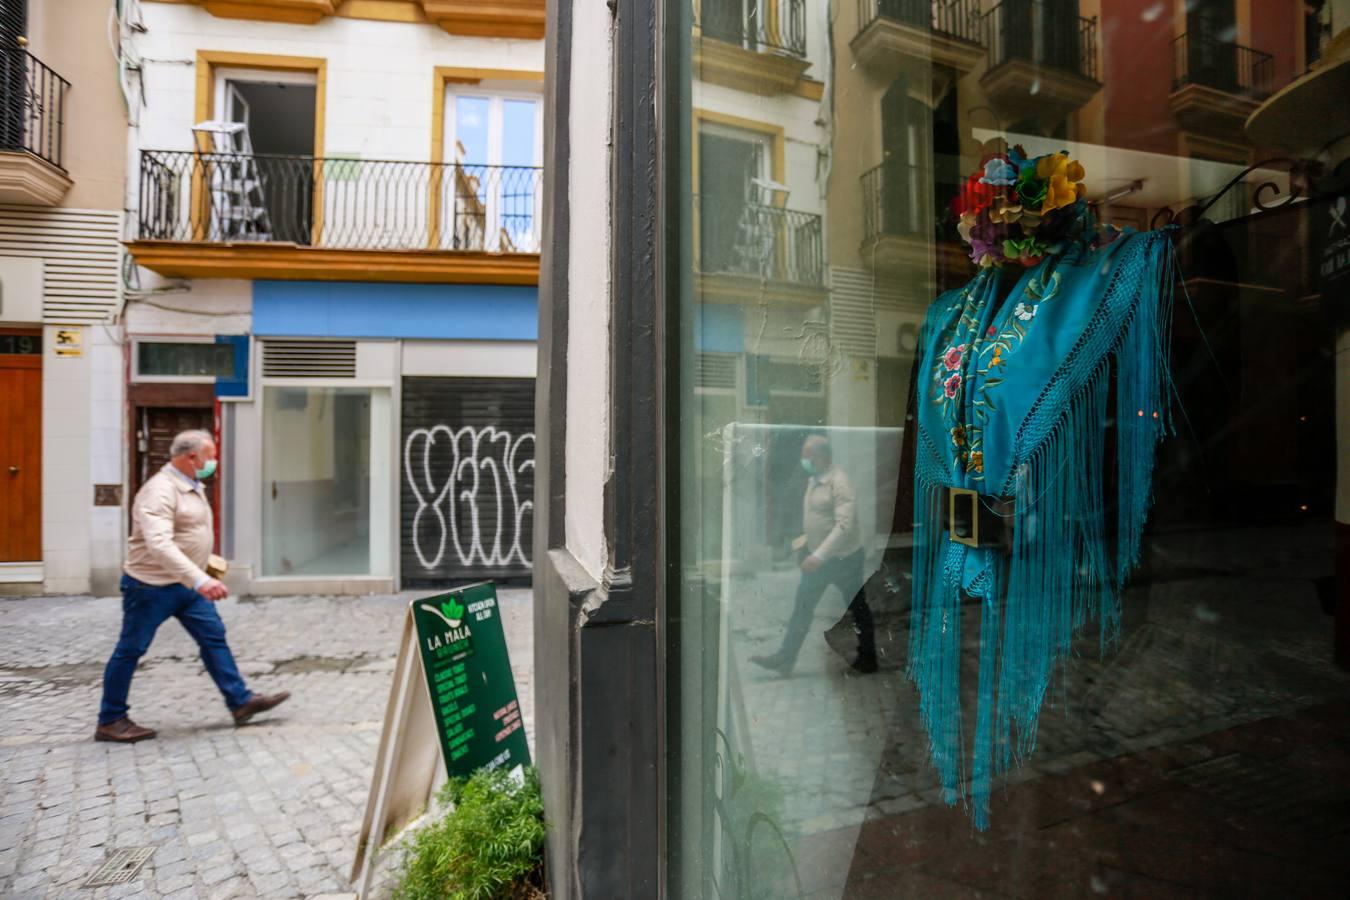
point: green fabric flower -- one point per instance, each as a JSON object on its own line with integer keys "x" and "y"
{"x": 1031, "y": 190}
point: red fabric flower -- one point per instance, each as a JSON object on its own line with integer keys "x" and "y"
{"x": 975, "y": 196}
{"x": 952, "y": 358}
{"x": 951, "y": 386}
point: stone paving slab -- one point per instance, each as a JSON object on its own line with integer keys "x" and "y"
{"x": 271, "y": 809}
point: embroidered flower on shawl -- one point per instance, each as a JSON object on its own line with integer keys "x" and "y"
{"x": 951, "y": 386}
{"x": 959, "y": 436}
{"x": 976, "y": 461}
{"x": 1025, "y": 311}
{"x": 951, "y": 357}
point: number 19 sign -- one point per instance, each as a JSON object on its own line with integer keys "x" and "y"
{"x": 468, "y": 676}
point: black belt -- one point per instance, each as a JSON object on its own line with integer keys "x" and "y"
{"x": 977, "y": 520}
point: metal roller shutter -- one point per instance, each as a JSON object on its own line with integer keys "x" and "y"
{"x": 467, "y": 467}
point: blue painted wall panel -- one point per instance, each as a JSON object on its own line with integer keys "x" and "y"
{"x": 383, "y": 310}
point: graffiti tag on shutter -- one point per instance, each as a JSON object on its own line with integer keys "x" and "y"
{"x": 486, "y": 466}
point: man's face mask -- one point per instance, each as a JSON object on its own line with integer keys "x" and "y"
{"x": 207, "y": 469}
{"x": 809, "y": 466}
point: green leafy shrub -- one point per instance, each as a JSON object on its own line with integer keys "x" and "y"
{"x": 490, "y": 846}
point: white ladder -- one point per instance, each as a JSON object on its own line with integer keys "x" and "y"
{"x": 238, "y": 204}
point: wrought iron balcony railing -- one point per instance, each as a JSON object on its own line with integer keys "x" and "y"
{"x": 32, "y": 106}
{"x": 897, "y": 200}
{"x": 756, "y": 24}
{"x": 1046, "y": 32}
{"x": 349, "y": 204}
{"x": 957, "y": 18}
{"x": 1222, "y": 65}
{"x": 739, "y": 238}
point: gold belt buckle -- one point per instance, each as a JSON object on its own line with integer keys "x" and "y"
{"x": 973, "y": 539}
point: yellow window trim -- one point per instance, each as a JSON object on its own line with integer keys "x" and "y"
{"x": 208, "y": 61}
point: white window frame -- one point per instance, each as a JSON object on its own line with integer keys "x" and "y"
{"x": 496, "y": 95}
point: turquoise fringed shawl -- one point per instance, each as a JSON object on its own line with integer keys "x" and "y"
{"x": 1013, "y": 402}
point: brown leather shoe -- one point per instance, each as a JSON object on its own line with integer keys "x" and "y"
{"x": 123, "y": 731}
{"x": 259, "y": 703}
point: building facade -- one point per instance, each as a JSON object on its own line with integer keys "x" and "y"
{"x": 682, "y": 755}
{"x": 334, "y": 220}
{"x": 62, "y": 171}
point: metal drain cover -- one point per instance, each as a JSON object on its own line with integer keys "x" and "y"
{"x": 121, "y": 867}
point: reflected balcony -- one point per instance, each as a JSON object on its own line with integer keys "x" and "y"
{"x": 32, "y": 130}
{"x": 750, "y": 251}
{"x": 236, "y": 215}
{"x": 945, "y": 32}
{"x": 1217, "y": 85}
{"x": 1042, "y": 60}
{"x": 898, "y": 221}
{"x": 757, "y": 46}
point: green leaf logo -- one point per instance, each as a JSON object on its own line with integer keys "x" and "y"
{"x": 453, "y": 610}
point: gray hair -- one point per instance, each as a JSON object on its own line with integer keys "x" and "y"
{"x": 818, "y": 443}
{"x": 189, "y": 441}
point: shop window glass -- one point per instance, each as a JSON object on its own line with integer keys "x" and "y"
{"x": 326, "y": 498}
{"x": 1114, "y": 671}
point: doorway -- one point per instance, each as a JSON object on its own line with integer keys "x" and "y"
{"x": 156, "y": 427}
{"x": 278, "y": 112}
{"x": 20, "y": 445}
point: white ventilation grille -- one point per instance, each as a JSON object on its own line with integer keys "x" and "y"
{"x": 856, "y": 299}
{"x": 309, "y": 359}
{"x": 81, "y": 254}
{"x": 717, "y": 370}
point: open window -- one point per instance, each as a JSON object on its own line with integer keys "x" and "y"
{"x": 263, "y": 140}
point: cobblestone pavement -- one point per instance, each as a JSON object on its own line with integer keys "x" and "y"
{"x": 271, "y": 809}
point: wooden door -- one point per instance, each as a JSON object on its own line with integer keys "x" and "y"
{"x": 20, "y": 445}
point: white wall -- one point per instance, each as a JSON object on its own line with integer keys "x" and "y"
{"x": 380, "y": 74}
{"x": 67, "y": 490}
{"x": 206, "y": 307}
{"x": 588, "y": 463}
{"x": 107, "y": 455}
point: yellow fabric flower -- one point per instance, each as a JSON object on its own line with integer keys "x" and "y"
{"x": 1065, "y": 177}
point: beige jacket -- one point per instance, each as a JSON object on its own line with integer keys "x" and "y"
{"x": 171, "y": 534}
{"x": 830, "y": 515}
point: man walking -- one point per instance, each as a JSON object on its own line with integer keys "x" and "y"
{"x": 171, "y": 540}
{"x": 831, "y": 552}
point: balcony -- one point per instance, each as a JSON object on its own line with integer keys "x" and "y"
{"x": 898, "y": 221}
{"x": 1042, "y": 61}
{"x": 230, "y": 215}
{"x": 1217, "y": 84}
{"x": 945, "y": 32}
{"x": 757, "y": 46}
{"x": 902, "y": 226}
{"x": 750, "y": 251}
{"x": 32, "y": 116}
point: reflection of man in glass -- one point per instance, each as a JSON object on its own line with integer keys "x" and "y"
{"x": 831, "y": 553}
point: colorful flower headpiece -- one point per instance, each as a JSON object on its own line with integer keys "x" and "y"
{"x": 1020, "y": 209}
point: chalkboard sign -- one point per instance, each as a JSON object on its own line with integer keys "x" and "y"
{"x": 468, "y": 676}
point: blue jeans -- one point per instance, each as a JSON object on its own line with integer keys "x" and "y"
{"x": 144, "y": 609}
{"x": 845, "y": 574}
